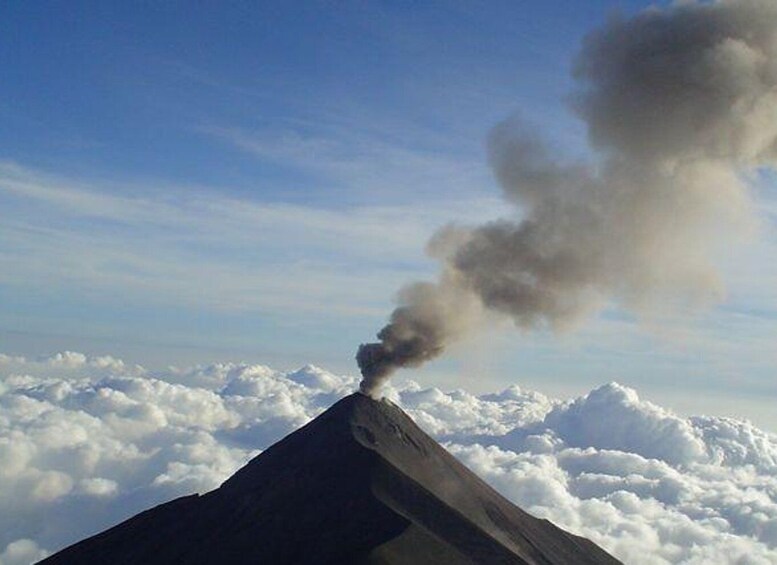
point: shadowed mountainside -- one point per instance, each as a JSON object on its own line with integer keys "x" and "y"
{"x": 359, "y": 484}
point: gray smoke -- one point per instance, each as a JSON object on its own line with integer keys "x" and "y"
{"x": 680, "y": 104}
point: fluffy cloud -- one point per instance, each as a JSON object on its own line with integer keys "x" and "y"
{"x": 97, "y": 439}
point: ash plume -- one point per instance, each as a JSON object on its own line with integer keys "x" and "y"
{"x": 680, "y": 104}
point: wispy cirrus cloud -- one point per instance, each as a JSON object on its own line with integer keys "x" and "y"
{"x": 407, "y": 163}
{"x": 201, "y": 246}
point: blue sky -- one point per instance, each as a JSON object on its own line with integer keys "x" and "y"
{"x": 180, "y": 185}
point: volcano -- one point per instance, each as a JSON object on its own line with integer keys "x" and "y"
{"x": 361, "y": 483}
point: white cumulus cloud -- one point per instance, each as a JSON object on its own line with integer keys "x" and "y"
{"x": 88, "y": 441}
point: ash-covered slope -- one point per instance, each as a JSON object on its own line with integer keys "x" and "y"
{"x": 359, "y": 484}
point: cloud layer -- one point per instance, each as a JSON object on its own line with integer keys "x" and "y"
{"x": 88, "y": 441}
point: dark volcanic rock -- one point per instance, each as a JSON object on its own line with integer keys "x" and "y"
{"x": 359, "y": 484}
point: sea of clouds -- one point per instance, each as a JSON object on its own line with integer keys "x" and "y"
{"x": 86, "y": 442}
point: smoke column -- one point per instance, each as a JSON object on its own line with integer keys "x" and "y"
{"x": 680, "y": 103}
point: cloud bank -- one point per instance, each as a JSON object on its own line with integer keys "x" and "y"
{"x": 88, "y": 441}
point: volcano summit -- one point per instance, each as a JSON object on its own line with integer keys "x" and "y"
{"x": 361, "y": 483}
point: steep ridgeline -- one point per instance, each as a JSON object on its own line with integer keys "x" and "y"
{"x": 359, "y": 484}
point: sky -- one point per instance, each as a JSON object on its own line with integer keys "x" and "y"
{"x": 183, "y": 186}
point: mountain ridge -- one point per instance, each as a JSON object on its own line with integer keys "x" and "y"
{"x": 361, "y": 483}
